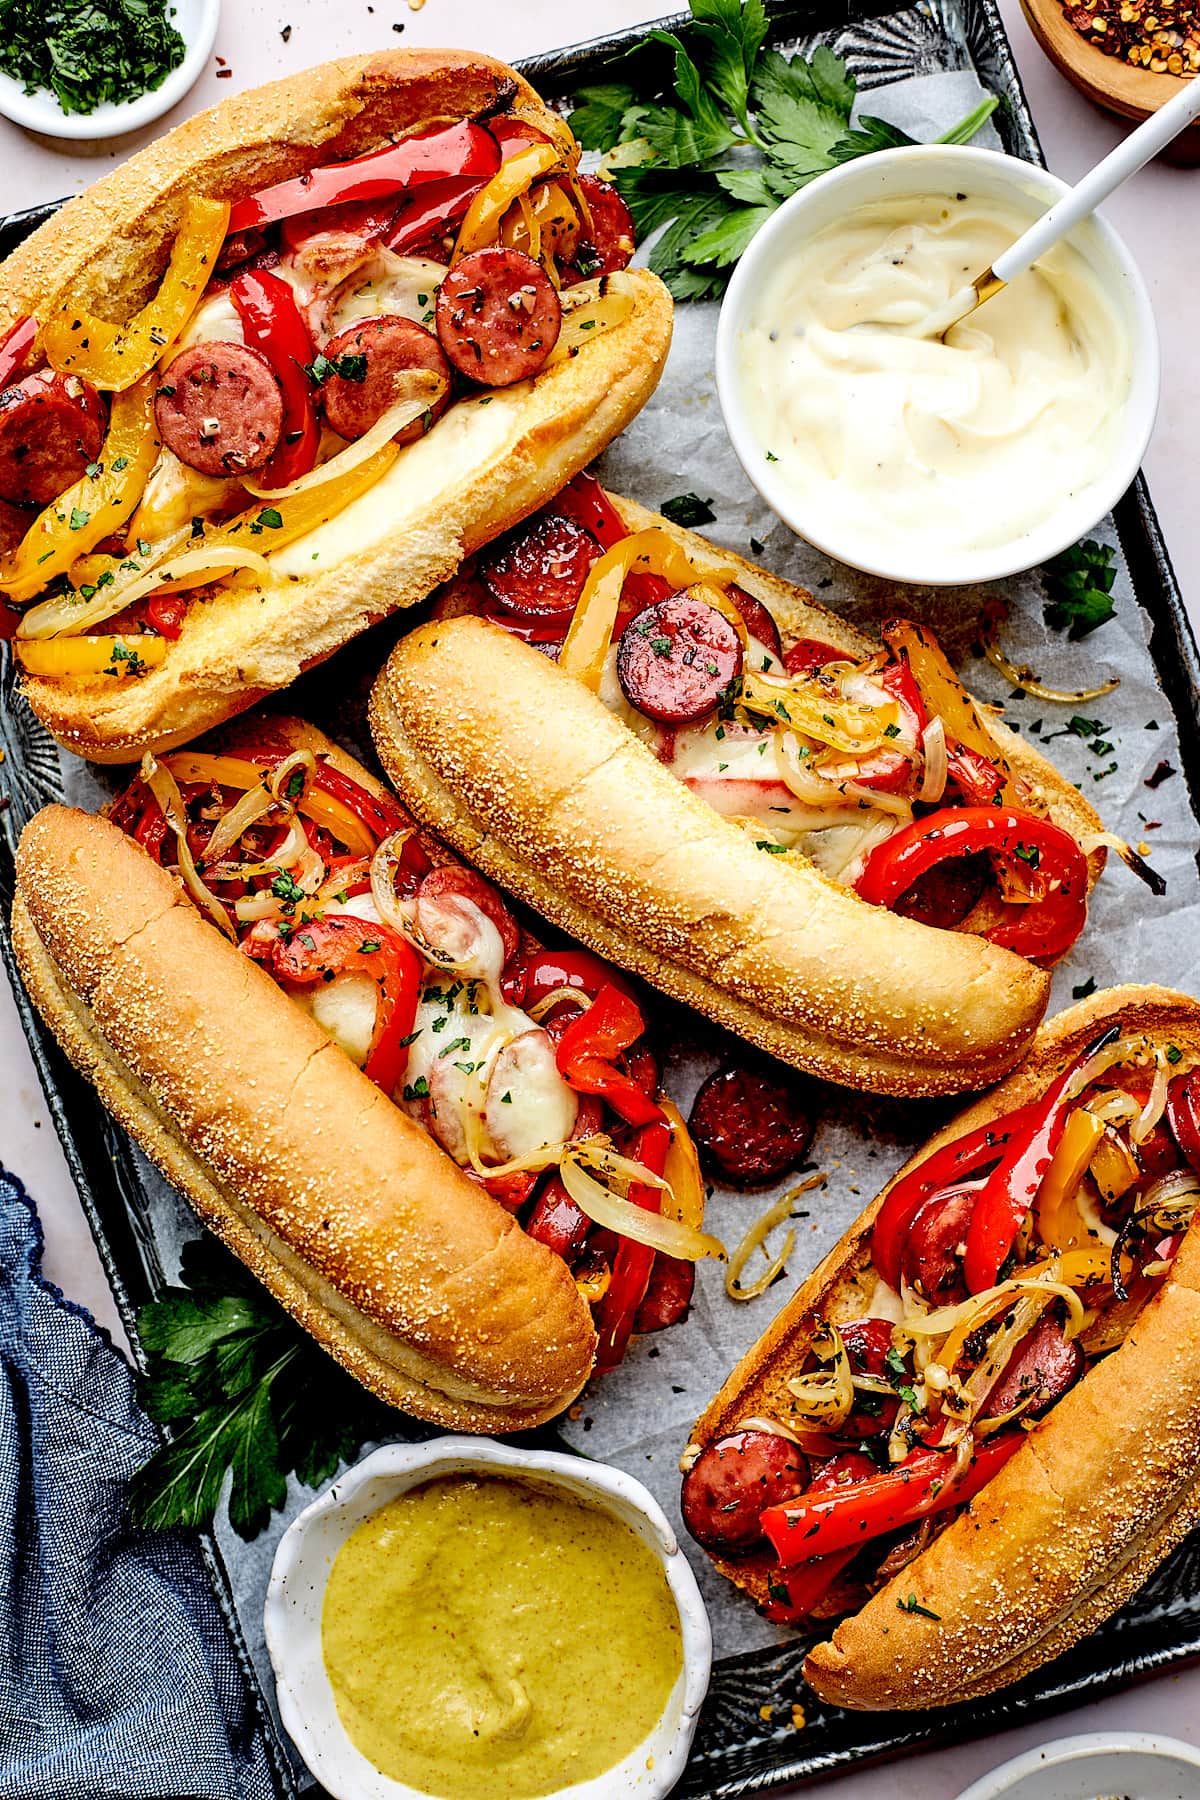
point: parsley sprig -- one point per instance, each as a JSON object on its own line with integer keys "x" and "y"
{"x": 250, "y": 1395}
{"x": 745, "y": 129}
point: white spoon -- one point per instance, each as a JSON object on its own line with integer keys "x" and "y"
{"x": 1128, "y": 157}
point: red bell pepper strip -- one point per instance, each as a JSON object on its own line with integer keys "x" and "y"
{"x": 166, "y": 612}
{"x": 549, "y": 970}
{"x": 379, "y": 813}
{"x": 272, "y": 323}
{"x": 977, "y": 779}
{"x": 1012, "y": 1186}
{"x": 338, "y": 944}
{"x": 590, "y": 1043}
{"x": 1045, "y": 928}
{"x": 633, "y": 1261}
{"x": 948, "y": 1167}
{"x": 1183, "y": 1114}
{"x": 810, "y": 653}
{"x": 15, "y": 346}
{"x": 585, "y": 501}
{"x": 795, "y": 1592}
{"x": 461, "y": 150}
{"x": 823, "y": 1524}
{"x": 433, "y": 212}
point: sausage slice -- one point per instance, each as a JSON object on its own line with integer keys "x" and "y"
{"x": 541, "y": 571}
{"x": 498, "y": 316}
{"x": 726, "y": 1489}
{"x": 368, "y": 360}
{"x": 676, "y": 659}
{"x": 220, "y": 409}
{"x": 51, "y": 427}
{"x": 751, "y": 1127}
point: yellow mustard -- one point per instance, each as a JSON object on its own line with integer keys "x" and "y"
{"x": 492, "y": 1639}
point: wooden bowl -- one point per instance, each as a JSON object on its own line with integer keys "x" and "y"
{"x": 1107, "y": 81}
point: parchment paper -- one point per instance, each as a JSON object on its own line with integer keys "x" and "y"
{"x": 640, "y": 1417}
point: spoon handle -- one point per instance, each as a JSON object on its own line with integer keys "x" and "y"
{"x": 1150, "y": 137}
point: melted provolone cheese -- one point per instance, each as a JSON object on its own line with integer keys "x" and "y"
{"x": 402, "y": 286}
{"x": 215, "y": 320}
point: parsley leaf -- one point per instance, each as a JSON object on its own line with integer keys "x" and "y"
{"x": 596, "y": 120}
{"x": 687, "y": 510}
{"x": 1079, "y": 584}
{"x": 252, "y": 1397}
{"x": 685, "y": 167}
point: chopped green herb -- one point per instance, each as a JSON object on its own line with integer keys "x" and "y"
{"x": 1174, "y": 1053}
{"x": 1079, "y": 584}
{"x": 688, "y": 510}
{"x": 1084, "y": 989}
{"x": 418, "y": 1090}
{"x": 79, "y": 518}
{"x": 913, "y": 1605}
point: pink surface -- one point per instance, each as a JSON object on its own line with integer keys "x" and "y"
{"x": 1156, "y": 215}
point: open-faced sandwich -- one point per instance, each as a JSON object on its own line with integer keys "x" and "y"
{"x": 815, "y": 837}
{"x": 273, "y": 378}
{"x": 439, "y": 1144}
{"x": 974, "y": 1431}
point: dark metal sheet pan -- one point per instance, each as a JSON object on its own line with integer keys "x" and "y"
{"x": 742, "y": 1747}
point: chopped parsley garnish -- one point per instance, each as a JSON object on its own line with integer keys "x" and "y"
{"x": 688, "y": 167}
{"x": 417, "y": 1090}
{"x": 349, "y": 368}
{"x": 688, "y": 510}
{"x": 458, "y": 1043}
{"x": 891, "y": 731}
{"x": 913, "y": 1605}
{"x": 1079, "y": 584}
{"x": 94, "y": 471}
{"x": 770, "y": 848}
{"x": 1174, "y": 1053}
{"x": 1084, "y": 989}
{"x": 79, "y": 518}
{"x": 284, "y": 887}
{"x": 102, "y": 50}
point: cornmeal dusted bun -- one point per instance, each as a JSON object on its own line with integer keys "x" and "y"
{"x": 525, "y": 771}
{"x": 473, "y": 475}
{"x": 1101, "y": 1490}
{"x": 347, "y": 1211}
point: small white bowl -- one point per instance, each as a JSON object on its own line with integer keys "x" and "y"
{"x": 920, "y": 170}
{"x": 196, "y": 23}
{"x": 1132, "y": 1764}
{"x": 306, "y": 1553}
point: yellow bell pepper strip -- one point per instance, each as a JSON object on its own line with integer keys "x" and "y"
{"x": 120, "y": 657}
{"x": 1114, "y": 1168}
{"x": 1059, "y": 1225}
{"x": 683, "y": 1197}
{"x": 114, "y": 357}
{"x": 242, "y": 542}
{"x": 812, "y": 704}
{"x": 513, "y": 178}
{"x": 652, "y": 551}
{"x": 239, "y": 772}
{"x": 95, "y": 505}
{"x": 946, "y": 698}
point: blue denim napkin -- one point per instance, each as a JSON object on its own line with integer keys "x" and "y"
{"x": 118, "y": 1677}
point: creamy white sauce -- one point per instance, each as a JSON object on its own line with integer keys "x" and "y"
{"x": 895, "y": 442}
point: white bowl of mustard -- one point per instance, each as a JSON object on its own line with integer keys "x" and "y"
{"x": 912, "y": 459}
{"x": 465, "y": 1619}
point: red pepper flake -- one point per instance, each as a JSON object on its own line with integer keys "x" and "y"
{"x": 1162, "y": 773}
{"x": 1162, "y": 36}
{"x": 224, "y": 74}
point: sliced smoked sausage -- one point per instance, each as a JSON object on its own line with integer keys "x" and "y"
{"x": 498, "y": 316}
{"x": 675, "y": 660}
{"x": 368, "y": 360}
{"x": 609, "y": 243}
{"x": 541, "y": 570}
{"x": 220, "y": 408}
{"x": 668, "y": 1294}
{"x": 726, "y": 1489}
{"x": 931, "y": 1257}
{"x": 1040, "y": 1370}
{"x": 751, "y": 1127}
{"x": 51, "y": 427}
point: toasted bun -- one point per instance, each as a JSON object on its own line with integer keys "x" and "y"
{"x": 347, "y": 1211}
{"x": 528, "y": 774}
{"x": 475, "y": 474}
{"x": 1098, "y": 1494}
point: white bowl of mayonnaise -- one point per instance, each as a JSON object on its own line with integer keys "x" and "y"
{"x": 918, "y": 460}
